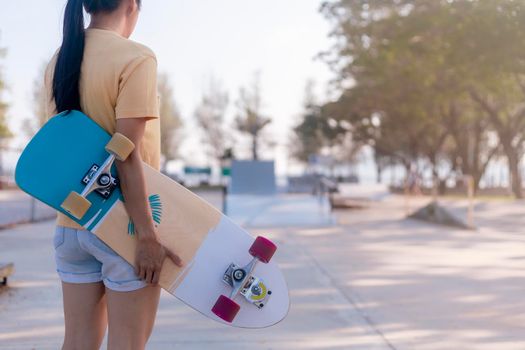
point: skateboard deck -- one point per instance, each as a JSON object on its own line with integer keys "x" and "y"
{"x": 70, "y": 147}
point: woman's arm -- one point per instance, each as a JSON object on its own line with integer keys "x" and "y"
{"x": 150, "y": 253}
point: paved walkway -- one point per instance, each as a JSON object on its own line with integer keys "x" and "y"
{"x": 321, "y": 317}
{"x": 281, "y": 210}
{"x": 374, "y": 281}
{"x": 426, "y": 286}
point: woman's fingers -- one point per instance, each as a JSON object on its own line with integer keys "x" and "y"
{"x": 140, "y": 272}
{"x": 175, "y": 258}
{"x": 149, "y": 276}
{"x": 156, "y": 275}
{"x": 149, "y": 268}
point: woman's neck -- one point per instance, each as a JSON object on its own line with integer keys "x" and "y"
{"x": 110, "y": 22}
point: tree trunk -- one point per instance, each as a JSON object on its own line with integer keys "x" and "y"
{"x": 435, "y": 178}
{"x": 379, "y": 173}
{"x": 515, "y": 177}
{"x": 476, "y": 180}
{"x": 255, "y": 155}
{"x": 514, "y": 170}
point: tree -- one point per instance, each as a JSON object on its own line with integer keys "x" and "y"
{"x": 317, "y": 132}
{"x": 389, "y": 103}
{"x": 170, "y": 121}
{"x": 496, "y": 76}
{"x": 5, "y": 133}
{"x": 430, "y": 79}
{"x": 4, "y": 129}
{"x": 250, "y": 119}
{"x": 307, "y": 137}
{"x": 31, "y": 125}
{"x": 210, "y": 116}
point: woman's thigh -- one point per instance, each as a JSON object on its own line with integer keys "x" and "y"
{"x": 131, "y": 316}
{"x": 85, "y": 315}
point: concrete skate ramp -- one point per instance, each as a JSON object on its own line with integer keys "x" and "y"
{"x": 253, "y": 177}
{"x": 438, "y": 214}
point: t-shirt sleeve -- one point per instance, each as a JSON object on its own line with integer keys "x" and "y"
{"x": 138, "y": 95}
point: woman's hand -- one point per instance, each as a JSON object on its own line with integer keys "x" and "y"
{"x": 150, "y": 256}
{"x": 150, "y": 253}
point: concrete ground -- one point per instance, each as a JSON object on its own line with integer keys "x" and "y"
{"x": 282, "y": 210}
{"x": 373, "y": 281}
{"x": 430, "y": 287}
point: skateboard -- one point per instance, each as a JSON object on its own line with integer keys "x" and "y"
{"x": 228, "y": 276}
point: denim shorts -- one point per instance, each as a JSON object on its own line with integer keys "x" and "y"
{"x": 81, "y": 257}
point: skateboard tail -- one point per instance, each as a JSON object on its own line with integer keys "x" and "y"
{"x": 62, "y": 150}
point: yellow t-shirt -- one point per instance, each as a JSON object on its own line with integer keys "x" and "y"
{"x": 118, "y": 80}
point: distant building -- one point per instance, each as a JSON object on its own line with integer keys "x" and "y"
{"x": 253, "y": 177}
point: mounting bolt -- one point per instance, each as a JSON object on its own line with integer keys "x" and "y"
{"x": 256, "y": 290}
{"x": 104, "y": 180}
{"x": 239, "y": 274}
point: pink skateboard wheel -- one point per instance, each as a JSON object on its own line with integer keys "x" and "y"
{"x": 263, "y": 249}
{"x": 225, "y": 308}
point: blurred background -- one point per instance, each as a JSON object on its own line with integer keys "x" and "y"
{"x": 382, "y": 140}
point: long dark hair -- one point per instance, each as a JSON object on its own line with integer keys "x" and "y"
{"x": 69, "y": 60}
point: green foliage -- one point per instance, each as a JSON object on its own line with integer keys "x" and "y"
{"x": 308, "y": 138}
{"x": 315, "y": 130}
{"x": 428, "y": 79}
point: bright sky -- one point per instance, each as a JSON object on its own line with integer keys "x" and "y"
{"x": 193, "y": 40}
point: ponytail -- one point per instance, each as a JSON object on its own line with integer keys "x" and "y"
{"x": 66, "y": 79}
{"x": 69, "y": 60}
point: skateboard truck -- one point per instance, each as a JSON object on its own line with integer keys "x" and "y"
{"x": 99, "y": 178}
{"x": 106, "y": 182}
{"x": 243, "y": 282}
{"x": 251, "y": 287}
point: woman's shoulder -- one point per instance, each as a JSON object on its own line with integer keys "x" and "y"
{"x": 133, "y": 55}
{"x": 141, "y": 50}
